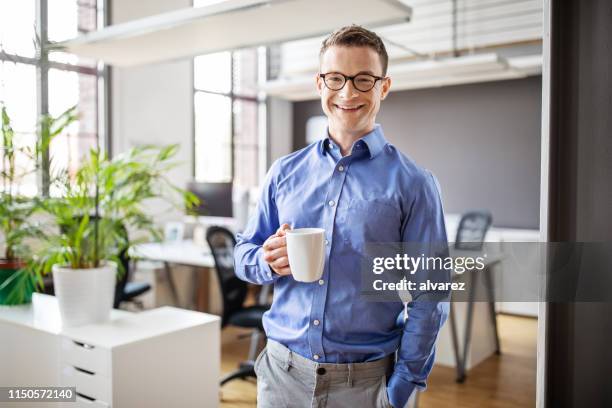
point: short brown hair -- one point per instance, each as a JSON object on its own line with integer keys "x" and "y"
{"x": 357, "y": 36}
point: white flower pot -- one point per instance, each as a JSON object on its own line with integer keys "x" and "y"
{"x": 85, "y": 295}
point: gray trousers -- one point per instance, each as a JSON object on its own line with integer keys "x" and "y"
{"x": 286, "y": 379}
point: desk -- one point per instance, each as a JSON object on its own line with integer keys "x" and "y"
{"x": 185, "y": 253}
{"x": 490, "y": 261}
{"x": 456, "y": 346}
{"x": 156, "y": 358}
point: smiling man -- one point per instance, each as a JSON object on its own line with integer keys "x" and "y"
{"x": 327, "y": 347}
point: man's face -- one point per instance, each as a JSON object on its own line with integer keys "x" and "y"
{"x": 349, "y": 110}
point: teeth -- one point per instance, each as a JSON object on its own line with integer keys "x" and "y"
{"x": 348, "y": 107}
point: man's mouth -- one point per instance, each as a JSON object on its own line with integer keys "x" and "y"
{"x": 349, "y": 108}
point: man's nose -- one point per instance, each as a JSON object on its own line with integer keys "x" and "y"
{"x": 348, "y": 91}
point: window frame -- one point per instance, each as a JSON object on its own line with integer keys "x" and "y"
{"x": 43, "y": 65}
{"x": 260, "y": 100}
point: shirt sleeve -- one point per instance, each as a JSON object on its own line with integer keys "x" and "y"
{"x": 423, "y": 225}
{"x": 248, "y": 253}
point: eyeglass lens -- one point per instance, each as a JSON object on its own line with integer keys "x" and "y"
{"x": 362, "y": 82}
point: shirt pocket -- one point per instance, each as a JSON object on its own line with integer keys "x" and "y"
{"x": 374, "y": 220}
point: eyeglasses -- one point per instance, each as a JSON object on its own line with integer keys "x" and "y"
{"x": 335, "y": 81}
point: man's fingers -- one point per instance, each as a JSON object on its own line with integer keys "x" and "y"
{"x": 278, "y": 239}
{"x": 283, "y": 271}
{"x": 279, "y": 252}
{"x": 280, "y": 263}
{"x": 272, "y": 256}
{"x": 275, "y": 251}
{"x": 281, "y": 230}
{"x": 274, "y": 242}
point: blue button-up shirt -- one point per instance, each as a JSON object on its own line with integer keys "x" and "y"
{"x": 374, "y": 194}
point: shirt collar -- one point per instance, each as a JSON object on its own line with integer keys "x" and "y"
{"x": 374, "y": 142}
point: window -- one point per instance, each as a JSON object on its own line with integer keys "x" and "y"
{"x": 35, "y": 80}
{"x": 230, "y": 117}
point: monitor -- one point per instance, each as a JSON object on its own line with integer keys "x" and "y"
{"x": 215, "y": 198}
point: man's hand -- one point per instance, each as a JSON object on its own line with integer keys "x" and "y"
{"x": 275, "y": 251}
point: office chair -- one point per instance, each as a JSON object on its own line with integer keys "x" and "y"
{"x": 472, "y": 230}
{"x": 471, "y": 234}
{"x": 234, "y": 290}
{"x": 125, "y": 291}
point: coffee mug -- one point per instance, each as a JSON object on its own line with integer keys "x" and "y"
{"x": 306, "y": 252}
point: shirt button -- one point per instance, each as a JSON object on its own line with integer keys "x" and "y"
{"x": 340, "y": 168}
{"x": 331, "y": 203}
{"x": 316, "y": 356}
{"x": 321, "y": 281}
{"x": 316, "y": 322}
{"x": 326, "y": 242}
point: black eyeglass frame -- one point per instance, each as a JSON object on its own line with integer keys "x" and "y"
{"x": 351, "y": 78}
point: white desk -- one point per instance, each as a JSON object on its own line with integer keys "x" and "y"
{"x": 158, "y": 358}
{"x": 184, "y": 252}
{"x": 471, "y": 317}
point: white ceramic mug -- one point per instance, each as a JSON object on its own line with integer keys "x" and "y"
{"x": 306, "y": 252}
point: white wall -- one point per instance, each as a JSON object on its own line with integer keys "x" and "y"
{"x": 153, "y": 104}
{"x": 280, "y": 128}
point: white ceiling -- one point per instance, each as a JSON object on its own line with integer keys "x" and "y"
{"x": 229, "y": 25}
{"x": 420, "y": 52}
{"x": 425, "y": 74}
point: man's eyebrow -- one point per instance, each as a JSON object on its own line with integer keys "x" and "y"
{"x": 358, "y": 73}
{"x": 366, "y": 72}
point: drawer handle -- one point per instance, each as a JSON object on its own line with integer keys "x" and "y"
{"x": 85, "y": 397}
{"x": 83, "y": 345}
{"x": 84, "y": 371}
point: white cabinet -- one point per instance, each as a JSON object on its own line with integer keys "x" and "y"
{"x": 156, "y": 358}
{"x": 85, "y": 356}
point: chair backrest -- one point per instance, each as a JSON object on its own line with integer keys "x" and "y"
{"x": 122, "y": 278}
{"x": 233, "y": 289}
{"x": 472, "y": 230}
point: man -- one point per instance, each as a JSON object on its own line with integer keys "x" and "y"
{"x": 327, "y": 347}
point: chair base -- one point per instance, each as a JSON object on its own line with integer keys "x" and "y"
{"x": 246, "y": 370}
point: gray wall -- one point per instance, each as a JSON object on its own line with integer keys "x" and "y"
{"x": 482, "y": 141}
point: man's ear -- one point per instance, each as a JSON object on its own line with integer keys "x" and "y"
{"x": 319, "y": 83}
{"x": 386, "y": 86}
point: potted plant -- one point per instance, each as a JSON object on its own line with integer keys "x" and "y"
{"x": 92, "y": 213}
{"x": 19, "y": 161}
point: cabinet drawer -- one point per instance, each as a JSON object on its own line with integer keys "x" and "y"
{"x": 93, "y": 385}
{"x": 85, "y": 403}
{"x": 87, "y": 357}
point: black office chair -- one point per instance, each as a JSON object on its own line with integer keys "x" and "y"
{"x": 472, "y": 230}
{"x": 125, "y": 291}
{"x": 234, "y": 290}
{"x": 471, "y": 233}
